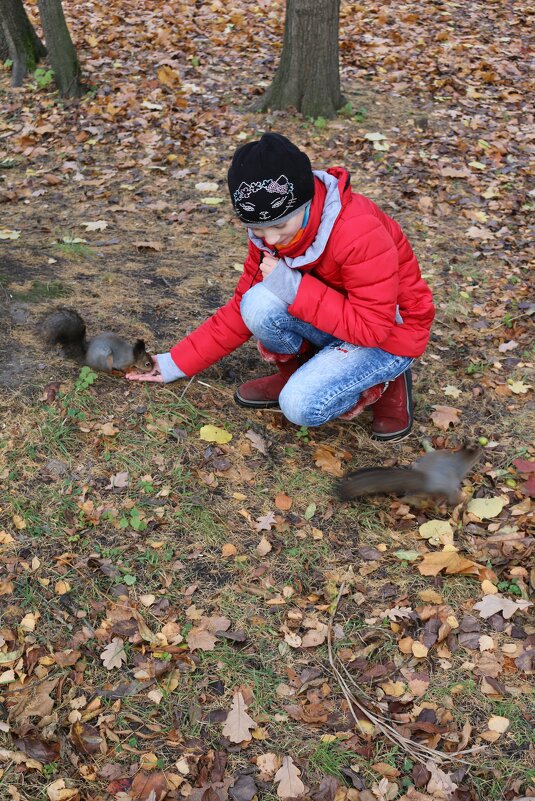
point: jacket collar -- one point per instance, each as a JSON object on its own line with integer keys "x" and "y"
{"x": 331, "y": 193}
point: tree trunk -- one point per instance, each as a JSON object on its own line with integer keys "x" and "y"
{"x": 61, "y": 51}
{"x": 308, "y": 76}
{"x": 4, "y": 53}
{"x": 23, "y": 45}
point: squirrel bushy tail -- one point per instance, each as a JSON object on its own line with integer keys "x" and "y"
{"x": 65, "y": 327}
{"x": 438, "y": 473}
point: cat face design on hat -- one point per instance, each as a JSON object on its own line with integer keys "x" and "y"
{"x": 267, "y": 200}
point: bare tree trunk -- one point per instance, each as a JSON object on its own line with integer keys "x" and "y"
{"x": 4, "y": 53}
{"x": 61, "y": 51}
{"x": 308, "y": 76}
{"x": 23, "y": 45}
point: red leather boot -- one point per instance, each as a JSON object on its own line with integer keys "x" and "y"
{"x": 263, "y": 393}
{"x": 392, "y": 413}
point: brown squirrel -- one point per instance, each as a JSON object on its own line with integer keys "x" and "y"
{"x": 438, "y": 474}
{"x": 107, "y": 351}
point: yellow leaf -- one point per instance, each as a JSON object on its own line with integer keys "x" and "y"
{"x": 229, "y": 549}
{"x": 393, "y": 688}
{"x": 486, "y": 508}
{"x": 62, "y": 587}
{"x": 450, "y": 561}
{"x": 19, "y": 522}
{"x": 431, "y": 597}
{"x": 213, "y": 434}
{"x": 518, "y": 387}
{"x": 438, "y": 532}
{"x": 168, "y": 76}
{"x": 419, "y": 650}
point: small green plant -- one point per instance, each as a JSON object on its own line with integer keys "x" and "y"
{"x": 43, "y": 77}
{"x": 303, "y": 434}
{"x": 133, "y": 519}
{"x": 476, "y": 367}
{"x": 320, "y": 122}
{"x": 359, "y": 115}
{"x": 509, "y": 586}
{"x": 50, "y": 768}
{"x": 507, "y": 320}
{"x": 74, "y": 246}
{"x": 8, "y": 63}
{"x": 85, "y": 379}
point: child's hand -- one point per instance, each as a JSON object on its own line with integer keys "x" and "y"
{"x": 155, "y": 375}
{"x": 268, "y": 264}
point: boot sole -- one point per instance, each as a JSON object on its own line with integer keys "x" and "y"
{"x": 252, "y": 404}
{"x": 397, "y": 437}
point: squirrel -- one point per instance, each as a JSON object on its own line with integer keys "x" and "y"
{"x": 437, "y": 474}
{"x": 107, "y": 351}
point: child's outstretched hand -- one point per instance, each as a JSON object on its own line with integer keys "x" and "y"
{"x": 155, "y": 375}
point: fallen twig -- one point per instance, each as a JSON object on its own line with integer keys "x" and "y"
{"x": 419, "y": 752}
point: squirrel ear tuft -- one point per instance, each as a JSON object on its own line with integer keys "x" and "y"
{"x": 139, "y": 347}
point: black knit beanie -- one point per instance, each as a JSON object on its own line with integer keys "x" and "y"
{"x": 269, "y": 180}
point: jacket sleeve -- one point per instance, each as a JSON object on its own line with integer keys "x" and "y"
{"x": 224, "y": 331}
{"x": 365, "y": 313}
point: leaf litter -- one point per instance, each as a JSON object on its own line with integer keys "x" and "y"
{"x": 148, "y": 565}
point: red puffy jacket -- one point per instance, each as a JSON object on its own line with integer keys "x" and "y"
{"x": 353, "y": 287}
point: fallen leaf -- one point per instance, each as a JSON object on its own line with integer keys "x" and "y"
{"x": 314, "y": 637}
{"x": 326, "y": 460}
{"x": 199, "y": 639}
{"x": 494, "y": 604}
{"x": 257, "y": 441}
{"x": 449, "y": 561}
{"x": 452, "y": 392}
{"x": 211, "y": 433}
{"x": 290, "y": 785}
{"x": 238, "y": 723}
{"x": 113, "y": 654}
{"x": 209, "y": 186}
{"x": 444, "y": 416}
{"x": 265, "y": 522}
{"x": 519, "y": 388}
{"x": 263, "y": 547}
{"x": 283, "y": 502}
{"x": 97, "y": 225}
{"x": 498, "y": 723}
{"x": 419, "y": 650}
{"x": 505, "y": 346}
{"x": 267, "y": 764}
{"x": 58, "y": 791}
{"x": 486, "y": 508}
{"x": 86, "y": 738}
{"x": 149, "y": 786}
{"x": 438, "y": 532}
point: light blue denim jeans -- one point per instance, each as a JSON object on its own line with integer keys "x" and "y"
{"x": 328, "y": 384}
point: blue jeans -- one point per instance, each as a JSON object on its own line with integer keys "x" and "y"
{"x": 328, "y": 384}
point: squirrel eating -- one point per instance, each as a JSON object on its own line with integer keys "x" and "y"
{"x": 106, "y": 351}
{"x": 437, "y": 474}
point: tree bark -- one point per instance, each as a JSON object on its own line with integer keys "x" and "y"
{"x": 23, "y": 45}
{"x": 61, "y": 51}
{"x": 308, "y": 76}
{"x": 4, "y": 52}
